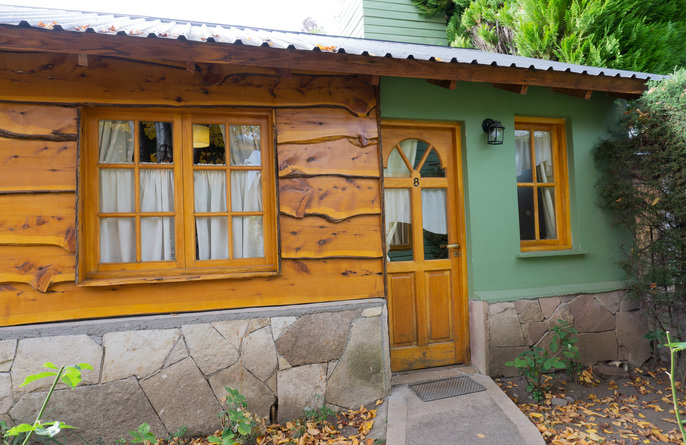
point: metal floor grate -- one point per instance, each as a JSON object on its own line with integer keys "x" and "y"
{"x": 442, "y": 389}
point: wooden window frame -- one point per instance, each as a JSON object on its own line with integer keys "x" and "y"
{"x": 561, "y": 184}
{"x": 91, "y": 272}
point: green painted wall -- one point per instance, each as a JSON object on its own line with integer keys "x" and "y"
{"x": 350, "y": 19}
{"x": 497, "y": 269}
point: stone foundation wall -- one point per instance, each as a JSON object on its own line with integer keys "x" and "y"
{"x": 611, "y": 327}
{"x": 171, "y": 370}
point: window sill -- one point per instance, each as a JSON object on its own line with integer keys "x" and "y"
{"x": 115, "y": 281}
{"x": 551, "y": 253}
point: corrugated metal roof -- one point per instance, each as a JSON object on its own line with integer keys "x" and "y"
{"x": 149, "y": 27}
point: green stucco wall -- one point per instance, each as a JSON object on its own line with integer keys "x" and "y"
{"x": 497, "y": 271}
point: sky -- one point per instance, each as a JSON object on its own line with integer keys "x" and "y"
{"x": 271, "y": 14}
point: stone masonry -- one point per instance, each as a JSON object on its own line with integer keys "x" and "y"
{"x": 171, "y": 371}
{"x": 611, "y": 326}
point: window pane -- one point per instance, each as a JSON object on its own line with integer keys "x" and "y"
{"x": 544, "y": 156}
{"x": 210, "y": 191}
{"x": 523, "y": 155}
{"x": 435, "y": 220}
{"x": 209, "y": 144}
{"x": 117, "y": 190}
{"x": 117, "y": 240}
{"x": 398, "y": 224}
{"x": 157, "y": 239}
{"x": 212, "y": 238}
{"x": 546, "y": 213}
{"x": 157, "y": 190}
{"x": 156, "y": 145}
{"x": 527, "y": 228}
{"x": 245, "y": 144}
{"x": 116, "y": 141}
{"x": 432, "y": 166}
{"x": 246, "y": 191}
{"x": 248, "y": 237}
{"x": 396, "y": 166}
{"x": 416, "y": 151}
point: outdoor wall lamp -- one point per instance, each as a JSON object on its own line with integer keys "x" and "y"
{"x": 494, "y": 130}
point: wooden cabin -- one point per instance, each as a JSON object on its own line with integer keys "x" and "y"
{"x": 193, "y": 206}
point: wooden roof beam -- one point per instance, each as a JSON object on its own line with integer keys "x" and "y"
{"x": 624, "y": 96}
{"x": 14, "y": 38}
{"x": 447, "y": 84}
{"x": 582, "y": 94}
{"x": 372, "y": 80}
{"x": 519, "y": 89}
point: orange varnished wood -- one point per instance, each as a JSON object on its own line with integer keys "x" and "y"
{"x": 37, "y": 119}
{"x": 437, "y": 354}
{"x": 440, "y": 305}
{"x": 302, "y": 281}
{"x": 328, "y": 124}
{"x": 331, "y": 197}
{"x": 46, "y": 77}
{"x": 37, "y": 165}
{"x": 38, "y": 219}
{"x": 38, "y": 266}
{"x": 336, "y": 157}
{"x": 401, "y": 291}
{"x": 315, "y": 237}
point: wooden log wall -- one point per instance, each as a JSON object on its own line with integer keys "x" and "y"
{"x": 328, "y": 184}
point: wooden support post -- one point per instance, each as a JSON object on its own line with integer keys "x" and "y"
{"x": 448, "y": 84}
{"x": 370, "y": 79}
{"x": 514, "y": 88}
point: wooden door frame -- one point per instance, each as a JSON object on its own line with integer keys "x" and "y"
{"x": 462, "y": 329}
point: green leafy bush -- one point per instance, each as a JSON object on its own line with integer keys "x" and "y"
{"x": 238, "y": 425}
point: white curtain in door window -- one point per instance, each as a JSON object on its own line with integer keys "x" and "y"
{"x": 397, "y": 201}
{"x": 157, "y": 233}
{"x": 211, "y": 232}
{"x": 434, "y": 213}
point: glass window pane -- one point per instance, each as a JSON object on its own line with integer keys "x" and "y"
{"x": 523, "y": 155}
{"x": 157, "y": 239}
{"x": 396, "y": 166}
{"x": 544, "y": 156}
{"x": 527, "y": 227}
{"x": 248, "y": 237}
{"x": 117, "y": 190}
{"x": 115, "y": 141}
{"x": 211, "y": 238}
{"x": 157, "y": 190}
{"x": 117, "y": 240}
{"x": 398, "y": 224}
{"x": 246, "y": 191}
{"x": 546, "y": 213}
{"x": 244, "y": 145}
{"x": 432, "y": 166}
{"x": 210, "y": 191}
{"x": 435, "y": 221}
{"x": 209, "y": 144}
{"x": 417, "y": 150}
{"x": 156, "y": 145}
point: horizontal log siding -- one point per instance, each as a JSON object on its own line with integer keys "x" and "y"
{"x": 328, "y": 162}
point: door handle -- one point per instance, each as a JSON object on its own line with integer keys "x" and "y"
{"x": 450, "y": 246}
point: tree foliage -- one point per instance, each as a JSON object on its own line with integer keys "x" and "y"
{"x": 643, "y": 181}
{"x": 638, "y": 35}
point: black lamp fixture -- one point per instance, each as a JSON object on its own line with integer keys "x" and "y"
{"x": 494, "y": 130}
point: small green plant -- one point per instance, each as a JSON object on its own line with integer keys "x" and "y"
{"x": 178, "y": 434}
{"x": 69, "y": 375}
{"x": 537, "y": 364}
{"x": 318, "y": 415}
{"x": 143, "y": 434}
{"x": 675, "y": 347}
{"x": 238, "y": 425}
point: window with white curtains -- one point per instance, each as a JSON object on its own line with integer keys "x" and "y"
{"x": 177, "y": 193}
{"x": 542, "y": 184}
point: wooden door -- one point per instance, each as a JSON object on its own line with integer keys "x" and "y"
{"x": 426, "y": 265}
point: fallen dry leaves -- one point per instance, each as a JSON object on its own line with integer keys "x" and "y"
{"x": 635, "y": 410}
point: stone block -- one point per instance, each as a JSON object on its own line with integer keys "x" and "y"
{"x": 548, "y": 305}
{"x": 630, "y": 302}
{"x": 136, "y": 353}
{"x": 530, "y": 312}
{"x": 259, "y": 353}
{"x": 7, "y": 350}
{"x": 478, "y": 333}
{"x": 181, "y": 396}
{"x": 536, "y": 331}
{"x": 499, "y": 356}
{"x": 505, "y": 329}
{"x": 590, "y": 315}
{"x": 259, "y": 396}
{"x": 300, "y": 388}
{"x": 60, "y": 350}
{"x": 234, "y": 331}
{"x": 631, "y": 328}
{"x": 497, "y": 308}
{"x": 371, "y": 312}
{"x": 597, "y": 347}
{"x": 280, "y": 324}
{"x": 610, "y": 300}
{"x": 316, "y": 338}
{"x": 178, "y": 353}
{"x": 283, "y": 363}
{"x": 209, "y": 349}
{"x": 258, "y": 323}
{"x": 561, "y": 313}
{"x": 104, "y": 412}
{"x": 6, "y": 395}
{"x": 360, "y": 377}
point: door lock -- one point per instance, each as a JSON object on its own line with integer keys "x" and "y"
{"x": 450, "y": 246}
